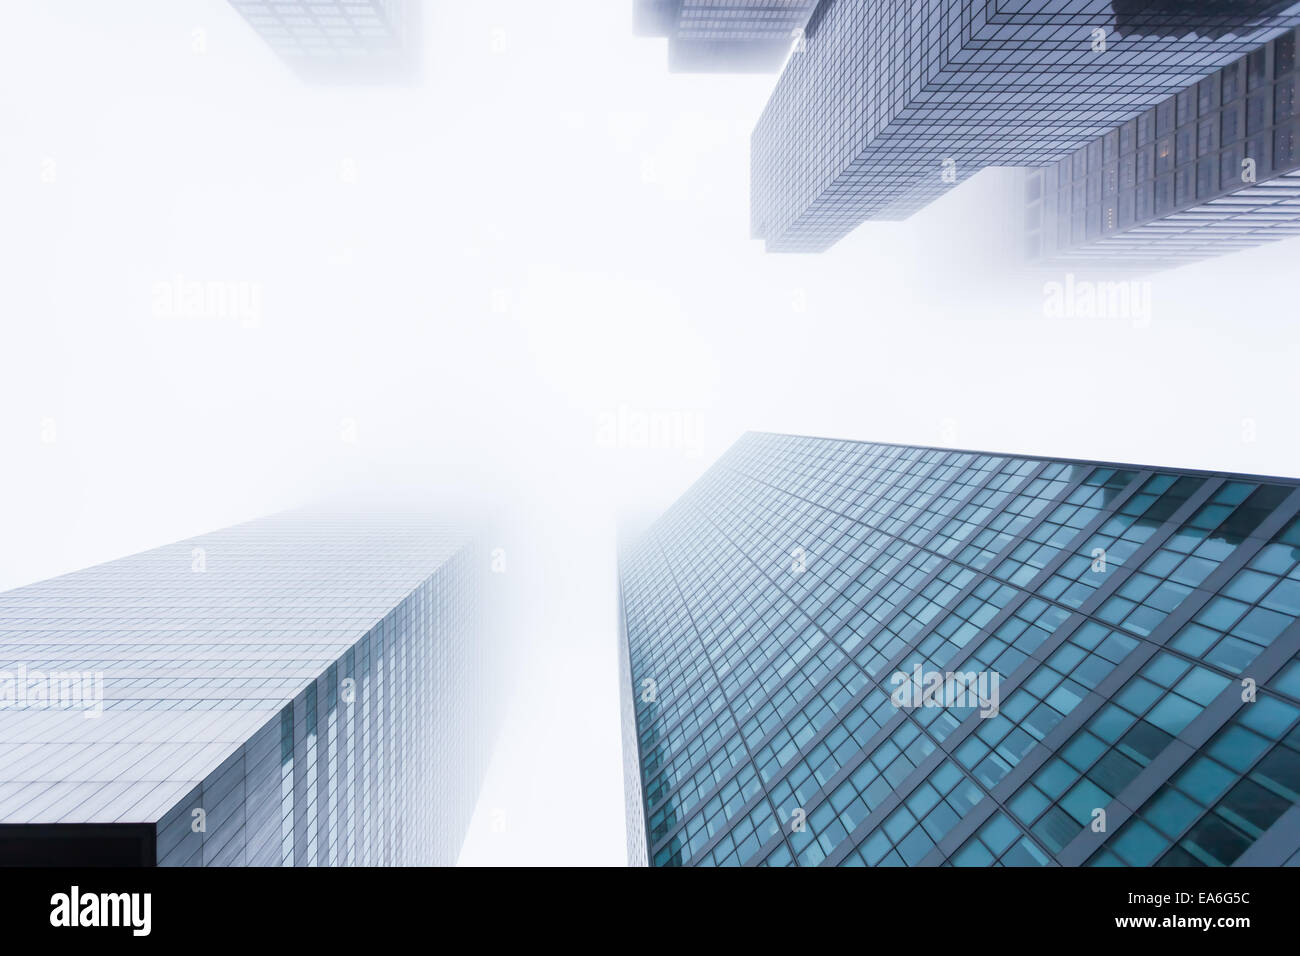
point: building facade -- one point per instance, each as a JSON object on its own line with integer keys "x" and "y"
{"x": 342, "y": 41}
{"x": 724, "y": 36}
{"x": 1209, "y": 171}
{"x": 847, "y": 654}
{"x": 887, "y": 108}
{"x": 306, "y": 689}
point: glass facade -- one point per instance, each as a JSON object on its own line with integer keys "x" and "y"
{"x": 886, "y": 109}
{"x": 724, "y": 36}
{"x": 1133, "y": 631}
{"x": 1211, "y": 170}
{"x": 341, "y": 41}
{"x": 306, "y": 689}
{"x": 634, "y": 806}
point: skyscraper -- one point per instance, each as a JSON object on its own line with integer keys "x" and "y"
{"x": 724, "y": 36}
{"x": 1209, "y": 171}
{"x": 342, "y": 41}
{"x": 845, "y": 653}
{"x": 887, "y": 108}
{"x": 304, "y": 689}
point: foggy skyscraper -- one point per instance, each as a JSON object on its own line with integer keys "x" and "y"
{"x": 724, "y": 36}
{"x": 886, "y": 109}
{"x": 305, "y": 689}
{"x": 342, "y": 41}
{"x": 1209, "y": 171}
{"x": 843, "y": 653}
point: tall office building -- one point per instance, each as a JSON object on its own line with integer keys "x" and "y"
{"x": 1212, "y": 18}
{"x": 886, "y": 108}
{"x": 846, "y": 654}
{"x": 1209, "y": 171}
{"x": 724, "y": 36}
{"x": 306, "y": 689}
{"x": 342, "y": 41}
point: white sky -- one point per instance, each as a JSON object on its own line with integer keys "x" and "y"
{"x": 550, "y": 233}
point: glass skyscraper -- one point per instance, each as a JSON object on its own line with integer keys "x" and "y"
{"x": 306, "y": 689}
{"x": 888, "y": 107}
{"x": 342, "y": 41}
{"x": 1209, "y": 171}
{"x": 723, "y": 36}
{"x": 844, "y": 654}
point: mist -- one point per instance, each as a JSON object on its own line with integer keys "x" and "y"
{"x": 521, "y": 290}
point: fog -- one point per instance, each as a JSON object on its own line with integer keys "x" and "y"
{"x": 523, "y": 289}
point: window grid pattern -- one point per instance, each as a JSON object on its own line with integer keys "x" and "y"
{"x": 724, "y": 35}
{"x": 1208, "y": 171}
{"x": 1222, "y": 800}
{"x": 312, "y": 682}
{"x": 341, "y": 40}
{"x": 887, "y": 107}
{"x": 1129, "y": 731}
{"x": 1251, "y": 610}
{"x": 790, "y": 717}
